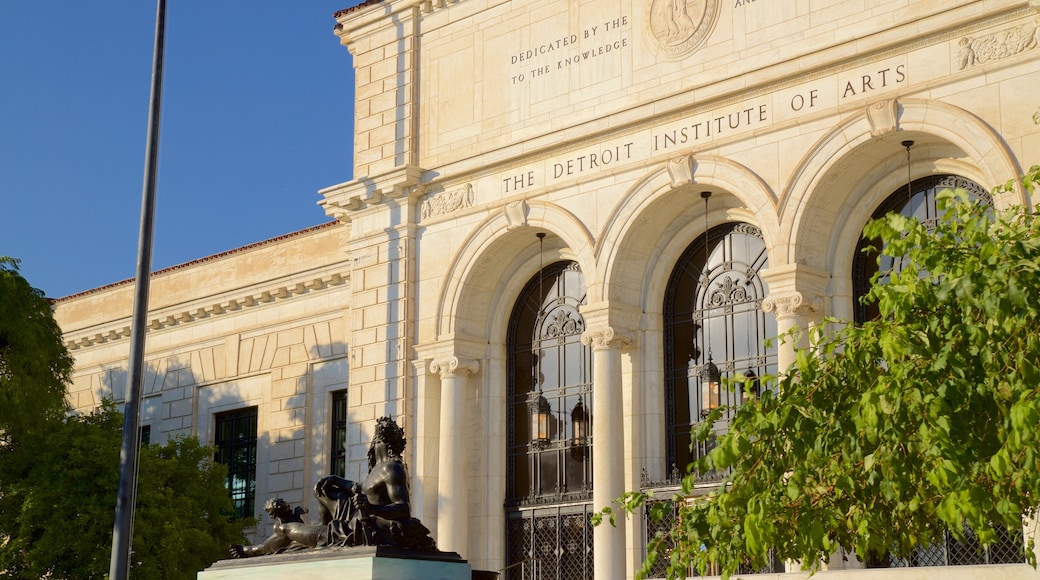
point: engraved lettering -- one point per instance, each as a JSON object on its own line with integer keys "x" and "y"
{"x": 875, "y": 81}
{"x": 518, "y": 182}
{"x": 798, "y": 101}
{"x": 592, "y": 160}
{"x": 724, "y": 122}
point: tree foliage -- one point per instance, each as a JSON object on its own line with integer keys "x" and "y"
{"x": 34, "y": 364}
{"x": 185, "y": 519}
{"x": 60, "y": 522}
{"x": 886, "y": 434}
{"x": 59, "y": 472}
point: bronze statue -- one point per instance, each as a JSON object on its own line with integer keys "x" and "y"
{"x": 376, "y": 512}
{"x": 290, "y": 532}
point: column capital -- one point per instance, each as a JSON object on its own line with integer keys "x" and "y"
{"x": 793, "y": 304}
{"x": 795, "y": 290}
{"x": 454, "y": 366}
{"x": 607, "y": 337}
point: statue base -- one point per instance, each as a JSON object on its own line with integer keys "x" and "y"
{"x": 360, "y": 563}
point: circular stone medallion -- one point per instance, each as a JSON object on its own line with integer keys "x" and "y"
{"x": 675, "y": 28}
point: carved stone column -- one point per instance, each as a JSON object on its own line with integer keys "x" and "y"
{"x": 796, "y": 299}
{"x": 452, "y": 505}
{"x": 793, "y": 310}
{"x": 608, "y": 446}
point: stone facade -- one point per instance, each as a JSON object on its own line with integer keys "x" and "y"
{"x": 479, "y": 123}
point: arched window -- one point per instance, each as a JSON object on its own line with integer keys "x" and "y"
{"x": 918, "y": 201}
{"x": 549, "y": 443}
{"x": 713, "y": 313}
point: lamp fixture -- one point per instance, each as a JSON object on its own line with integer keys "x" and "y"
{"x": 751, "y": 383}
{"x": 909, "y": 189}
{"x": 537, "y": 404}
{"x": 580, "y": 425}
{"x": 540, "y": 410}
{"x": 541, "y": 265}
{"x": 711, "y": 377}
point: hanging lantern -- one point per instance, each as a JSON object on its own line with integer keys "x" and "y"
{"x": 580, "y": 425}
{"x": 751, "y": 384}
{"x": 711, "y": 383}
{"x": 540, "y": 414}
{"x": 711, "y": 378}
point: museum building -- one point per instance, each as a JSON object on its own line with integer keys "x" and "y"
{"x": 563, "y": 215}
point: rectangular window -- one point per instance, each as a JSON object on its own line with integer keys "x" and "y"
{"x": 146, "y": 435}
{"x": 339, "y": 433}
{"x": 236, "y": 448}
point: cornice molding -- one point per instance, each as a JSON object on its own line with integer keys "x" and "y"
{"x": 343, "y": 201}
{"x": 167, "y": 318}
{"x": 427, "y": 6}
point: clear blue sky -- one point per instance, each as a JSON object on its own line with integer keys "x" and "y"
{"x": 257, "y": 115}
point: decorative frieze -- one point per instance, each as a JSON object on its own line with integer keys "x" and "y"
{"x": 1006, "y": 43}
{"x": 193, "y": 314}
{"x": 445, "y": 202}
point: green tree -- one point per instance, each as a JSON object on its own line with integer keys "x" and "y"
{"x": 59, "y": 471}
{"x": 64, "y": 526}
{"x": 886, "y": 434}
{"x": 34, "y": 369}
{"x": 185, "y": 519}
{"x": 34, "y": 364}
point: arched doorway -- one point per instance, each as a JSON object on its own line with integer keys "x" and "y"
{"x": 548, "y": 441}
{"x": 713, "y": 313}
{"x": 917, "y": 200}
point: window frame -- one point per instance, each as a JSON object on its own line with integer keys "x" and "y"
{"x": 719, "y": 305}
{"x": 229, "y": 446}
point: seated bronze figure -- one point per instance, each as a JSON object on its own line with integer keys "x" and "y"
{"x": 375, "y": 512}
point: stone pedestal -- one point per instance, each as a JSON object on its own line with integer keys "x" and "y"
{"x": 375, "y": 563}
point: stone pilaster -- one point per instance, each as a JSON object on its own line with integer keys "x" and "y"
{"x": 381, "y": 212}
{"x": 385, "y": 47}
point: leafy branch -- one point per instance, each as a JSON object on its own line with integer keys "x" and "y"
{"x": 891, "y": 433}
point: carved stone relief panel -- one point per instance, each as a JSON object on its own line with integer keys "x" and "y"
{"x": 448, "y": 201}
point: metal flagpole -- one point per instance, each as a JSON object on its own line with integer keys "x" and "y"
{"x": 122, "y": 532}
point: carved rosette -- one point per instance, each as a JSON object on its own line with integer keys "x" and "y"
{"x": 793, "y": 304}
{"x": 605, "y": 338}
{"x": 454, "y": 366}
